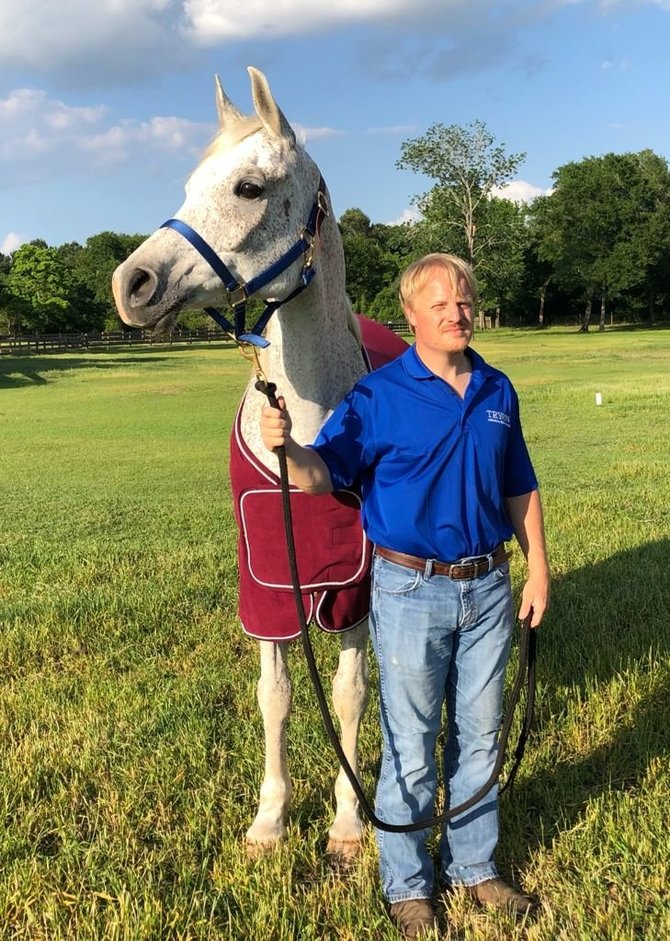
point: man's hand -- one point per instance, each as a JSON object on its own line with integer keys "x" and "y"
{"x": 535, "y": 595}
{"x": 525, "y": 512}
{"x": 276, "y": 425}
{"x": 306, "y": 470}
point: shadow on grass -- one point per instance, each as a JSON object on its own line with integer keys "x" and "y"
{"x": 33, "y": 370}
{"x": 605, "y": 622}
{"x": 608, "y": 621}
{"x": 20, "y": 371}
{"x": 635, "y": 327}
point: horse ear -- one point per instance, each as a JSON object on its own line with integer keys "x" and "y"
{"x": 267, "y": 109}
{"x": 225, "y": 109}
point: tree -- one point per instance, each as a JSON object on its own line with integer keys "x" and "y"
{"x": 650, "y": 231}
{"x": 467, "y": 166}
{"x": 38, "y": 281}
{"x": 604, "y": 226}
{"x": 501, "y": 261}
{"x": 95, "y": 265}
{"x": 373, "y": 257}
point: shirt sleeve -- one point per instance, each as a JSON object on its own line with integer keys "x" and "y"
{"x": 345, "y": 440}
{"x": 519, "y": 473}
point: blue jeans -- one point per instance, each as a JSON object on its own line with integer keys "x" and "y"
{"x": 436, "y": 641}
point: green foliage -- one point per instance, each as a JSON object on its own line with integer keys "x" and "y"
{"x": 386, "y": 306}
{"x": 95, "y": 265}
{"x": 605, "y": 229}
{"x": 467, "y": 165}
{"x": 41, "y": 283}
{"x": 374, "y": 257}
{"x": 64, "y": 289}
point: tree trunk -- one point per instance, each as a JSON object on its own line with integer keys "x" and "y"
{"x": 603, "y": 312}
{"x": 482, "y": 320}
{"x": 584, "y": 328}
{"x": 543, "y": 297}
{"x": 497, "y": 321}
{"x": 651, "y": 305}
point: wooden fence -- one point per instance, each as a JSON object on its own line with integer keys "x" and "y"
{"x": 22, "y": 345}
{"x": 25, "y": 344}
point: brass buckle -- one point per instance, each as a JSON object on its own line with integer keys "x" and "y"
{"x": 250, "y": 353}
{"x": 237, "y": 296}
{"x": 322, "y": 203}
{"x": 309, "y": 251}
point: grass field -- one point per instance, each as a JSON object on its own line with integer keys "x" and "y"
{"x": 130, "y": 754}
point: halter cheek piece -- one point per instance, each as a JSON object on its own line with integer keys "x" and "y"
{"x": 239, "y": 291}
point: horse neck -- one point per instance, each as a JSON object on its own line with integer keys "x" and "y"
{"x": 314, "y": 356}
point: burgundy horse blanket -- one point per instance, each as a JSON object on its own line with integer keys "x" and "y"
{"x": 332, "y": 551}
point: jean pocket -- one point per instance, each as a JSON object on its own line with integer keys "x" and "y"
{"x": 501, "y": 571}
{"x": 392, "y": 579}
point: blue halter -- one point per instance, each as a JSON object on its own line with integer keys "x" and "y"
{"x": 239, "y": 291}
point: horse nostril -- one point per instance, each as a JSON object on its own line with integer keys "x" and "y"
{"x": 141, "y": 287}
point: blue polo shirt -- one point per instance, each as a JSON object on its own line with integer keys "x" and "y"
{"x": 434, "y": 468}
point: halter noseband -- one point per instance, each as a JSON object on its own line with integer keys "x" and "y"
{"x": 239, "y": 291}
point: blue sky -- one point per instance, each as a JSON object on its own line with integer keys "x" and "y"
{"x": 105, "y": 107}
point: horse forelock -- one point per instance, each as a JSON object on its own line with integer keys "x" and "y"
{"x": 231, "y": 135}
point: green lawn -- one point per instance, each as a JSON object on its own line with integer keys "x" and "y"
{"x": 130, "y": 753}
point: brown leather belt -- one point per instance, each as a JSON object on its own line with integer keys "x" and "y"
{"x": 459, "y": 571}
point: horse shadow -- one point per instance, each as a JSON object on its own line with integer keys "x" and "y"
{"x": 608, "y": 624}
{"x": 17, "y": 372}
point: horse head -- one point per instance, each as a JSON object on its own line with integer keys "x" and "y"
{"x": 249, "y": 200}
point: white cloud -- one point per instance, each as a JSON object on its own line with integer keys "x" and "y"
{"x": 620, "y": 66}
{"x": 409, "y": 215}
{"x": 305, "y": 134}
{"x": 108, "y": 38}
{"x": 118, "y": 40}
{"x": 11, "y": 242}
{"x": 34, "y": 126}
{"x": 519, "y": 191}
{"x": 209, "y": 22}
{"x": 115, "y": 144}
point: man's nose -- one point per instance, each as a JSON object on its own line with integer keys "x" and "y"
{"x": 453, "y": 312}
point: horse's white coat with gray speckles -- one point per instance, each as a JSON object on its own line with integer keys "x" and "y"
{"x": 314, "y": 358}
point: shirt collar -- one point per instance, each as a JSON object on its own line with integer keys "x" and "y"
{"x": 415, "y": 367}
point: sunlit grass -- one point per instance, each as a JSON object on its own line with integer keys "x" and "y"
{"x": 130, "y": 744}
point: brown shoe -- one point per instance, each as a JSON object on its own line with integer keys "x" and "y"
{"x": 495, "y": 893}
{"x": 414, "y": 918}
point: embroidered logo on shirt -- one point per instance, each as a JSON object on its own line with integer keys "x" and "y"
{"x": 501, "y": 418}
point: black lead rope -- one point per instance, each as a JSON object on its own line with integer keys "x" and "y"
{"x": 525, "y": 671}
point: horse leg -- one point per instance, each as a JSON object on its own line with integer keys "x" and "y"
{"x": 350, "y": 697}
{"x": 274, "y": 699}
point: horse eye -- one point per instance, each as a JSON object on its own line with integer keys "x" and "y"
{"x": 248, "y": 190}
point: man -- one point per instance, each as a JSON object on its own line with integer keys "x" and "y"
{"x": 435, "y": 440}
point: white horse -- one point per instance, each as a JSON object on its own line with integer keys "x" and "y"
{"x": 250, "y": 199}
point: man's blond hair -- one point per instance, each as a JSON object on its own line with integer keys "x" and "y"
{"x": 417, "y": 275}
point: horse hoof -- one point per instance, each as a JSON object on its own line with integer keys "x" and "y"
{"x": 257, "y": 850}
{"x": 343, "y": 854}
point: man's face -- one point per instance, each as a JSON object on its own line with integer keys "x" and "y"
{"x": 441, "y": 317}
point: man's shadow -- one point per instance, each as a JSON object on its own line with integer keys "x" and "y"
{"x": 609, "y": 623}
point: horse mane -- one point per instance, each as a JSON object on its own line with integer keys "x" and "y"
{"x": 353, "y": 325}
